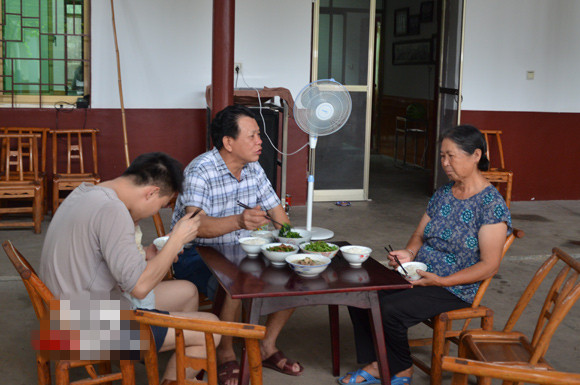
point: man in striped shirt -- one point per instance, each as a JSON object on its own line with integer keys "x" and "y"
{"x": 214, "y": 182}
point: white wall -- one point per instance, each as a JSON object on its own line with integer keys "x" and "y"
{"x": 165, "y": 49}
{"x": 506, "y": 38}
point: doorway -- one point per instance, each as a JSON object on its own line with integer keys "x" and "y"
{"x": 404, "y": 104}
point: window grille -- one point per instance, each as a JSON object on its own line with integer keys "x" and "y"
{"x": 45, "y": 52}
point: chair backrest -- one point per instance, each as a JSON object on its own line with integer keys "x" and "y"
{"x": 42, "y": 136}
{"x": 493, "y": 138}
{"x": 516, "y": 233}
{"x": 20, "y": 156}
{"x": 562, "y": 295}
{"x": 74, "y": 150}
{"x": 40, "y": 295}
{"x": 250, "y": 333}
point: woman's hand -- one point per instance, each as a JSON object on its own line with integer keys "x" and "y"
{"x": 403, "y": 255}
{"x": 428, "y": 279}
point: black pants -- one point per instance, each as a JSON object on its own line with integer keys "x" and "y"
{"x": 400, "y": 309}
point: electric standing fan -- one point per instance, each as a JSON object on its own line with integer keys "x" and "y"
{"x": 321, "y": 108}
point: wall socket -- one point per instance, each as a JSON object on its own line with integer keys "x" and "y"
{"x": 237, "y": 68}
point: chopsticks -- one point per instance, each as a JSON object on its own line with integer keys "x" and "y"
{"x": 267, "y": 215}
{"x": 396, "y": 259}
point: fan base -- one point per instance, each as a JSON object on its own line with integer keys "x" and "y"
{"x": 318, "y": 233}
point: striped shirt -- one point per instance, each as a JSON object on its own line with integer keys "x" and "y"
{"x": 211, "y": 186}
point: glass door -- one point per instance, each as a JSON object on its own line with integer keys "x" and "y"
{"x": 343, "y": 42}
{"x": 449, "y": 88}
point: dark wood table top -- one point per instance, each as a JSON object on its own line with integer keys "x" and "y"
{"x": 245, "y": 277}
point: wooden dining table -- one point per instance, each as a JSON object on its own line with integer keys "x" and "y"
{"x": 265, "y": 289}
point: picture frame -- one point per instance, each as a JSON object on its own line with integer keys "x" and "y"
{"x": 413, "y": 52}
{"x": 426, "y": 13}
{"x": 401, "y": 21}
{"x": 414, "y": 25}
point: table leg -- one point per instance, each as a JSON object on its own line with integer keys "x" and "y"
{"x": 334, "y": 339}
{"x": 252, "y": 316}
{"x": 377, "y": 327}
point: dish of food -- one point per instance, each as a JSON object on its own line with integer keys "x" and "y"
{"x": 286, "y": 232}
{"x": 282, "y": 247}
{"x": 308, "y": 262}
{"x": 320, "y": 246}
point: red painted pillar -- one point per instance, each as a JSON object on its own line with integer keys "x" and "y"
{"x": 222, "y": 75}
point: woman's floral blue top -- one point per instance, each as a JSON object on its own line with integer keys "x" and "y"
{"x": 451, "y": 236}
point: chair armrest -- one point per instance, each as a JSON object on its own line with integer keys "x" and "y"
{"x": 514, "y": 373}
{"x": 491, "y": 334}
{"x": 468, "y": 312}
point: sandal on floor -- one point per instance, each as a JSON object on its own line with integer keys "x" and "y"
{"x": 227, "y": 371}
{"x": 369, "y": 379}
{"x": 274, "y": 360}
{"x": 400, "y": 380}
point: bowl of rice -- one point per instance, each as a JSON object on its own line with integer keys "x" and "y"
{"x": 355, "y": 255}
{"x": 252, "y": 245}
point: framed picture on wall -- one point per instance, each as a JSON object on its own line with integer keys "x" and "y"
{"x": 413, "y": 52}
{"x": 426, "y": 11}
{"x": 401, "y": 21}
{"x": 414, "y": 25}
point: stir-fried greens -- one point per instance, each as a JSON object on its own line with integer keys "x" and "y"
{"x": 286, "y": 232}
{"x": 320, "y": 246}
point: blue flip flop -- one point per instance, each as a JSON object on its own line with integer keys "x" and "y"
{"x": 400, "y": 380}
{"x": 369, "y": 379}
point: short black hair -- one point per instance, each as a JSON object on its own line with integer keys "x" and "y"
{"x": 469, "y": 139}
{"x": 225, "y": 123}
{"x": 157, "y": 169}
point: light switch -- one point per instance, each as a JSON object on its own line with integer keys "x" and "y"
{"x": 530, "y": 75}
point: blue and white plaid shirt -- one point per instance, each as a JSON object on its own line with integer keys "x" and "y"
{"x": 211, "y": 186}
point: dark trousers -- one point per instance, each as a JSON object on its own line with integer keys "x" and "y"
{"x": 191, "y": 267}
{"x": 400, "y": 309}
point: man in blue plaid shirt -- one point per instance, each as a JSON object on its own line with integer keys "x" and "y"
{"x": 214, "y": 182}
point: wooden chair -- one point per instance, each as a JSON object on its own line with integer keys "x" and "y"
{"x": 497, "y": 174}
{"x": 442, "y": 324}
{"x": 20, "y": 181}
{"x": 509, "y": 354}
{"x": 77, "y": 170}
{"x": 40, "y": 296}
{"x": 415, "y": 123}
{"x": 250, "y": 333}
{"x": 27, "y": 154}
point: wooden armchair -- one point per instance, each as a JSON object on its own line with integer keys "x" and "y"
{"x": 251, "y": 334}
{"x": 508, "y": 354}
{"x": 40, "y": 296}
{"x": 497, "y": 174}
{"x": 21, "y": 179}
{"x": 77, "y": 170}
{"x": 442, "y": 325}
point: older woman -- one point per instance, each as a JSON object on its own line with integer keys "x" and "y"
{"x": 460, "y": 238}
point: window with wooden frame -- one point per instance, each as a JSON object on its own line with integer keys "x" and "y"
{"x": 45, "y": 52}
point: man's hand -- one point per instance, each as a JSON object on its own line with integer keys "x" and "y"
{"x": 251, "y": 219}
{"x": 185, "y": 230}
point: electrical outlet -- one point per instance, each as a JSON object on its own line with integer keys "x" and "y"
{"x": 237, "y": 67}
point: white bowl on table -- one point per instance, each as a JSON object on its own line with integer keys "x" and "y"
{"x": 355, "y": 255}
{"x": 278, "y": 258}
{"x": 266, "y": 234}
{"x": 252, "y": 245}
{"x": 304, "y": 236}
{"x": 161, "y": 241}
{"x": 329, "y": 254}
{"x": 308, "y": 270}
{"x": 412, "y": 268}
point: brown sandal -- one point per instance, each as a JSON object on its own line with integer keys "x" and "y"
{"x": 274, "y": 360}
{"x": 227, "y": 371}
